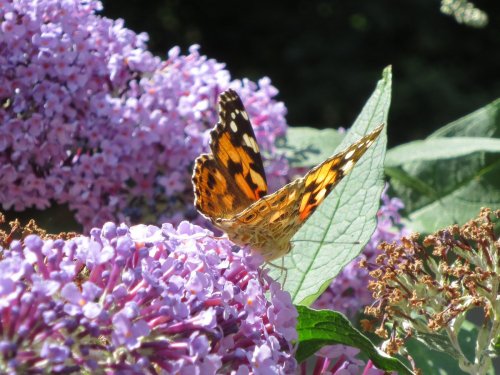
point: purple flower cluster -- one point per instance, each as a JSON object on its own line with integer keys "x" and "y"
{"x": 348, "y": 293}
{"x": 141, "y": 300}
{"x": 91, "y": 119}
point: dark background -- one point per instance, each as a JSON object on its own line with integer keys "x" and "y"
{"x": 326, "y": 56}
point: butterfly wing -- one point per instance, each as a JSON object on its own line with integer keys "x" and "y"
{"x": 320, "y": 180}
{"x": 211, "y": 188}
{"x": 231, "y": 178}
{"x": 269, "y": 224}
{"x": 235, "y": 148}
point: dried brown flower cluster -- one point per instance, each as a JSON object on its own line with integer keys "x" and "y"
{"x": 424, "y": 289}
{"x": 15, "y": 230}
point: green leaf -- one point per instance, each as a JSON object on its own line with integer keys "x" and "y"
{"x": 481, "y": 123}
{"x": 448, "y": 177}
{"x": 431, "y": 361}
{"x": 318, "y": 328}
{"x": 440, "y": 342}
{"x": 336, "y": 233}
{"x": 440, "y": 148}
{"x": 307, "y": 147}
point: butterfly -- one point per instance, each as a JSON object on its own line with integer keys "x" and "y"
{"x": 230, "y": 184}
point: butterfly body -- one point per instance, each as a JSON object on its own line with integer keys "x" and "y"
{"x": 265, "y": 225}
{"x": 231, "y": 189}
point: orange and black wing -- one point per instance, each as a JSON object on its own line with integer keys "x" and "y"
{"x": 320, "y": 180}
{"x": 232, "y": 177}
{"x": 269, "y": 224}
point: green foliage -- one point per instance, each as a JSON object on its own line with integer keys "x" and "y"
{"x": 448, "y": 177}
{"x": 318, "y": 328}
{"x": 434, "y": 362}
{"x": 440, "y": 149}
{"x": 336, "y": 233}
{"x": 458, "y": 163}
{"x": 306, "y": 147}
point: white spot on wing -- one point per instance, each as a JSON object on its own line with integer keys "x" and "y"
{"x": 347, "y": 166}
{"x": 320, "y": 195}
{"x": 349, "y": 154}
{"x": 250, "y": 142}
{"x": 233, "y": 126}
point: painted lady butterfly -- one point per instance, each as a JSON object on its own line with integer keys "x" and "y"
{"x": 230, "y": 185}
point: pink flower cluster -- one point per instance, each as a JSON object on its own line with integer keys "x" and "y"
{"x": 141, "y": 300}
{"x": 91, "y": 119}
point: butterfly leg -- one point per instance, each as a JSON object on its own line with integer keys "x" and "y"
{"x": 283, "y": 269}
